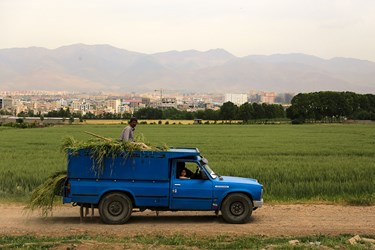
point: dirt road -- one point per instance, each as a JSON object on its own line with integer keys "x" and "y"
{"x": 270, "y": 220}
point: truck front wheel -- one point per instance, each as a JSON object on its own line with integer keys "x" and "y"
{"x": 237, "y": 208}
{"x": 115, "y": 208}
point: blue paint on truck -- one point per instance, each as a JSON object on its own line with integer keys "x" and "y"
{"x": 150, "y": 180}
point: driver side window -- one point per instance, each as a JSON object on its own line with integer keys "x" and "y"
{"x": 187, "y": 170}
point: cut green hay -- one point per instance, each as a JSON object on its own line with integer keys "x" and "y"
{"x": 43, "y": 196}
{"x": 109, "y": 146}
{"x": 101, "y": 148}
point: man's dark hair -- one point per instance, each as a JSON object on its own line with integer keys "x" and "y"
{"x": 133, "y": 119}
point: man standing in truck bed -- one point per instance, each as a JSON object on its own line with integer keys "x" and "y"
{"x": 128, "y": 132}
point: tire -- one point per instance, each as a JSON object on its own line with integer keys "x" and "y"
{"x": 237, "y": 208}
{"x": 115, "y": 208}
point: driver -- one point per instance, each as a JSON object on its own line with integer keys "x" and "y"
{"x": 183, "y": 174}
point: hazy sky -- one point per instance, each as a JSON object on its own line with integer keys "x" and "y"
{"x": 325, "y": 28}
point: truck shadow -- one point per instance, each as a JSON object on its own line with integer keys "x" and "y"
{"x": 140, "y": 219}
{"x": 180, "y": 219}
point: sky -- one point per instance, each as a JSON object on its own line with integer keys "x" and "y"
{"x": 323, "y": 28}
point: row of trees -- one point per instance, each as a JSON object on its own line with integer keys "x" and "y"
{"x": 228, "y": 111}
{"x": 322, "y": 105}
{"x": 64, "y": 113}
{"x": 5, "y": 112}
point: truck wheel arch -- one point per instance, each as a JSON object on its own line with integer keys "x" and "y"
{"x": 236, "y": 192}
{"x": 127, "y": 193}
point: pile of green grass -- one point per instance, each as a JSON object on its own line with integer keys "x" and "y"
{"x": 42, "y": 198}
{"x": 102, "y": 148}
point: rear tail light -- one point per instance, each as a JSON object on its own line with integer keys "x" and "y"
{"x": 67, "y": 188}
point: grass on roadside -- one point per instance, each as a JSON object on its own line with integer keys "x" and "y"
{"x": 178, "y": 241}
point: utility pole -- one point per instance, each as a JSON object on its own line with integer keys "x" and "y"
{"x": 161, "y": 95}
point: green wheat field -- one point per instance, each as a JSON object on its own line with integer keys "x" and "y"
{"x": 332, "y": 163}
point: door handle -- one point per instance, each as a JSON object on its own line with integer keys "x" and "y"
{"x": 177, "y": 184}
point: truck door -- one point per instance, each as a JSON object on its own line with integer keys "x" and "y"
{"x": 190, "y": 192}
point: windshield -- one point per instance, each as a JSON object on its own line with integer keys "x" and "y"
{"x": 209, "y": 170}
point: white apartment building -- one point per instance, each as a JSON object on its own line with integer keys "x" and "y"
{"x": 75, "y": 105}
{"x": 237, "y": 99}
{"x": 85, "y": 107}
{"x": 6, "y": 103}
{"x": 125, "y": 109}
{"x": 62, "y": 102}
{"x": 113, "y": 104}
{"x": 20, "y": 107}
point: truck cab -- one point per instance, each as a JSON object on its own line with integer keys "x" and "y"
{"x": 175, "y": 180}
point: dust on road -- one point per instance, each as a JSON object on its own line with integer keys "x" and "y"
{"x": 270, "y": 220}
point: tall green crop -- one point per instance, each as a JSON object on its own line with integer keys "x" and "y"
{"x": 332, "y": 162}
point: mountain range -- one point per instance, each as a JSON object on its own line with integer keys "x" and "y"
{"x": 88, "y": 68}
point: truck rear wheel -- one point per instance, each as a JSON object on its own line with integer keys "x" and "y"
{"x": 115, "y": 208}
{"x": 237, "y": 208}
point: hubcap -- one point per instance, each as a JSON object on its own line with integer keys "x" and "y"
{"x": 237, "y": 208}
{"x": 115, "y": 208}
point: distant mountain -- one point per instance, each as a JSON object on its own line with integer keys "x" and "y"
{"x": 82, "y": 67}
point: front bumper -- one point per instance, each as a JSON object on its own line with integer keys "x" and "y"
{"x": 258, "y": 203}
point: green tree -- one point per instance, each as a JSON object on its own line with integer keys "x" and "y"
{"x": 188, "y": 115}
{"x": 228, "y": 111}
{"x": 258, "y": 111}
{"x": 149, "y": 113}
{"x": 4, "y": 112}
{"x": 210, "y": 114}
{"x": 245, "y": 112}
{"x": 200, "y": 114}
{"x": 173, "y": 114}
{"x": 269, "y": 111}
{"x": 329, "y": 104}
{"x": 71, "y": 119}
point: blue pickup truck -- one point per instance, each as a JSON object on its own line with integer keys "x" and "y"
{"x": 152, "y": 180}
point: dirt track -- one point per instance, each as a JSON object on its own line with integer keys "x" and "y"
{"x": 277, "y": 220}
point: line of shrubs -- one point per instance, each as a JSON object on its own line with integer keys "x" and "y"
{"x": 21, "y": 124}
{"x": 216, "y": 122}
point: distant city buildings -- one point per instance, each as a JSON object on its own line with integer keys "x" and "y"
{"x": 75, "y": 105}
{"x": 268, "y": 97}
{"x": 132, "y": 105}
{"x": 168, "y": 103}
{"x": 42, "y": 102}
{"x": 6, "y": 103}
{"x": 237, "y": 99}
{"x": 113, "y": 105}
